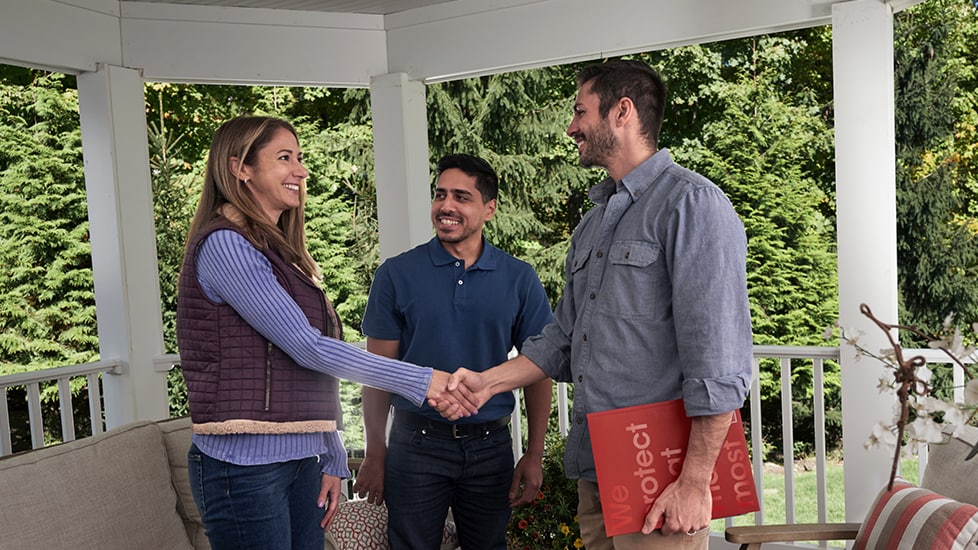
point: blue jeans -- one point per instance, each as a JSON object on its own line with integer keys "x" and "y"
{"x": 425, "y": 474}
{"x": 267, "y": 507}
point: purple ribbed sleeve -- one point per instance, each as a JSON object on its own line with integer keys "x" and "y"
{"x": 232, "y": 271}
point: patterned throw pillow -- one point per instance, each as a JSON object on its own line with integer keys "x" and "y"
{"x": 360, "y": 525}
{"x": 909, "y": 517}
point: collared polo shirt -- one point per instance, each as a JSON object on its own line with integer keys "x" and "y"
{"x": 446, "y": 316}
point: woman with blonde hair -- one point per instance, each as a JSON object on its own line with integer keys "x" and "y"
{"x": 261, "y": 349}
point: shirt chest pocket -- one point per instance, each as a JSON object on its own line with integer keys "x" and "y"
{"x": 636, "y": 281}
{"x": 633, "y": 253}
{"x": 579, "y": 274}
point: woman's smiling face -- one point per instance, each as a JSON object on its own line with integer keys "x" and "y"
{"x": 277, "y": 176}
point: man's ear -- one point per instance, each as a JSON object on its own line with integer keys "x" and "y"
{"x": 490, "y": 210}
{"x": 623, "y": 110}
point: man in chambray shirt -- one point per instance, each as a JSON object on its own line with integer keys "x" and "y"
{"x": 655, "y": 307}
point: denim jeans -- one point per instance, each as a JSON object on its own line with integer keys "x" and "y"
{"x": 267, "y": 507}
{"x": 425, "y": 474}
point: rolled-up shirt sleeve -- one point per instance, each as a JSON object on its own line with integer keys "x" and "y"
{"x": 710, "y": 304}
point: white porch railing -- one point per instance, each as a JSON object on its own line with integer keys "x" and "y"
{"x": 787, "y": 356}
{"x": 61, "y": 376}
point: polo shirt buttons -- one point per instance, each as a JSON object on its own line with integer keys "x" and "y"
{"x": 584, "y": 337}
{"x": 458, "y": 264}
{"x": 600, "y": 254}
{"x": 591, "y": 296}
{"x": 579, "y": 420}
{"x": 580, "y": 377}
{"x": 460, "y": 282}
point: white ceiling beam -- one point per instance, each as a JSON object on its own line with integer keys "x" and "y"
{"x": 68, "y": 36}
{"x": 472, "y": 38}
{"x": 220, "y": 45}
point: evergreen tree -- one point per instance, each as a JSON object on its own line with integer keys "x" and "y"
{"x": 517, "y": 122}
{"x": 937, "y": 250}
{"x": 742, "y": 122}
{"x": 47, "y": 300}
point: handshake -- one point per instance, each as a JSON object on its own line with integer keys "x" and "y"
{"x": 462, "y": 392}
{"x": 458, "y": 394}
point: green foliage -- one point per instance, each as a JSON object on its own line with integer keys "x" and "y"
{"x": 47, "y": 301}
{"x": 516, "y": 121}
{"x": 752, "y": 114}
{"x": 937, "y": 249}
{"x": 761, "y": 134}
{"x": 550, "y": 521}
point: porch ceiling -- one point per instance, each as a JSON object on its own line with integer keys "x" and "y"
{"x": 346, "y": 43}
{"x": 373, "y": 7}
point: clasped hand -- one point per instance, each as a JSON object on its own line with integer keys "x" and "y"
{"x": 459, "y": 394}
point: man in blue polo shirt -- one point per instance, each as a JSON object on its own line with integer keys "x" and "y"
{"x": 454, "y": 301}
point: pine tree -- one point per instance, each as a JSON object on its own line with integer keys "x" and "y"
{"x": 937, "y": 250}
{"x": 47, "y": 300}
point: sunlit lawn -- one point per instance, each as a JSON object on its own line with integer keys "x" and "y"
{"x": 806, "y": 510}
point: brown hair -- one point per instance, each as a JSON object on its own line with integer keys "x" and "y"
{"x": 226, "y": 195}
{"x": 618, "y": 78}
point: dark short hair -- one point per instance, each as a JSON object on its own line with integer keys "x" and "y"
{"x": 486, "y": 180}
{"x": 618, "y": 78}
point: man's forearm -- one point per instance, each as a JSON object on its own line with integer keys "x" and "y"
{"x": 518, "y": 372}
{"x": 538, "y": 397}
{"x": 376, "y": 408}
{"x": 706, "y": 437}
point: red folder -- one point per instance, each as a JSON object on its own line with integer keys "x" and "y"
{"x": 639, "y": 450}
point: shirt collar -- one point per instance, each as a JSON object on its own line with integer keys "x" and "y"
{"x": 441, "y": 257}
{"x": 635, "y": 182}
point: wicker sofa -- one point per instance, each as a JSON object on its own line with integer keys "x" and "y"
{"x": 128, "y": 488}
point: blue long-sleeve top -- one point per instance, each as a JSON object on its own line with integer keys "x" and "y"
{"x": 230, "y": 270}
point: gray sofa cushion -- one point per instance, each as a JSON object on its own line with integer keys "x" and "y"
{"x": 109, "y": 491}
{"x": 948, "y": 473}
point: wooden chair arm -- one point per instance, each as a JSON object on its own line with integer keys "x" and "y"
{"x": 750, "y": 537}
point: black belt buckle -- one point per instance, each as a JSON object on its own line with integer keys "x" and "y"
{"x": 456, "y": 434}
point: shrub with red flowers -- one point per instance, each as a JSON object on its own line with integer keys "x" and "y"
{"x": 550, "y": 521}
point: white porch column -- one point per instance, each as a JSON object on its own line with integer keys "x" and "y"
{"x": 124, "y": 264}
{"x": 401, "y": 162}
{"x": 862, "y": 60}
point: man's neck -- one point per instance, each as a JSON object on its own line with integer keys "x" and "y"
{"x": 627, "y": 160}
{"x": 468, "y": 250}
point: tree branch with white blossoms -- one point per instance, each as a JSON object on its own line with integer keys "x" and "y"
{"x": 919, "y": 416}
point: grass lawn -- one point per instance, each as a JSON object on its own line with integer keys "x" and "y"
{"x": 806, "y": 510}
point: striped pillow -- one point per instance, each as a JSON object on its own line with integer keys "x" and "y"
{"x": 909, "y": 517}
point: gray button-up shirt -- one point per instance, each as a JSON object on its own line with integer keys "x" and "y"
{"x": 655, "y": 306}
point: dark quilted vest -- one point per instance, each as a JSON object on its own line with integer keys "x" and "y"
{"x": 232, "y": 371}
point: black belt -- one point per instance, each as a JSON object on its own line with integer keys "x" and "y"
{"x": 444, "y": 429}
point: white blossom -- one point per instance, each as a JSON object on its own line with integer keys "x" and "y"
{"x": 882, "y": 435}
{"x": 928, "y": 405}
{"x": 924, "y": 430}
{"x": 897, "y": 409}
{"x": 956, "y": 418}
{"x": 948, "y": 321}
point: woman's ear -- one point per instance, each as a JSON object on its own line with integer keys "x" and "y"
{"x": 239, "y": 169}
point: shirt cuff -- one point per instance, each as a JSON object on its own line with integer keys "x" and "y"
{"x": 334, "y": 461}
